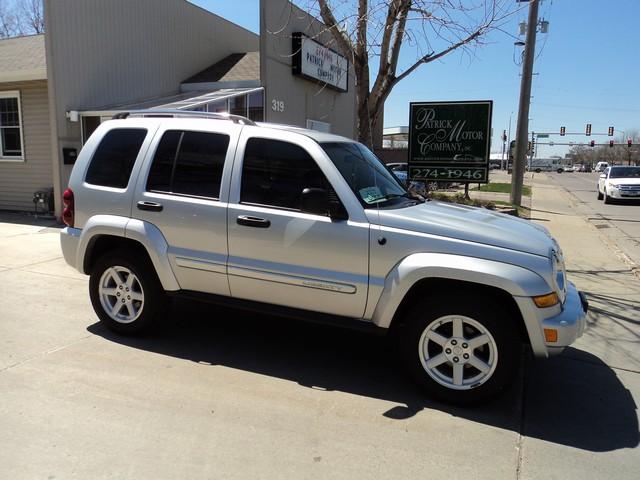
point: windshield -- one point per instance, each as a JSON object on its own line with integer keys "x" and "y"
{"x": 367, "y": 176}
{"x": 625, "y": 172}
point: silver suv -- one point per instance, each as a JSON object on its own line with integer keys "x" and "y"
{"x": 312, "y": 226}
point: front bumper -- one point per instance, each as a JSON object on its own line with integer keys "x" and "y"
{"x": 570, "y": 322}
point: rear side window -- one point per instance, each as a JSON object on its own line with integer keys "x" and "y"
{"x": 189, "y": 163}
{"x": 114, "y": 158}
{"x": 275, "y": 173}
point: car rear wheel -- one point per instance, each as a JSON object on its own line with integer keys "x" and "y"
{"x": 460, "y": 352}
{"x": 126, "y": 293}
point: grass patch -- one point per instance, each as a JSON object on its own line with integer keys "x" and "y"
{"x": 502, "y": 188}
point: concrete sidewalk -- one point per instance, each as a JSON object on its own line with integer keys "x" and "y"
{"x": 603, "y": 365}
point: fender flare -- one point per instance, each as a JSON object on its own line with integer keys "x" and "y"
{"x": 515, "y": 280}
{"x": 148, "y": 235}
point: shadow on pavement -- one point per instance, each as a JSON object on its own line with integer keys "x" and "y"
{"x": 573, "y": 403}
{"x": 29, "y": 218}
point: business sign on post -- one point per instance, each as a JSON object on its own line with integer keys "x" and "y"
{"x": 450, "y": 141}
{"x": 319, "y": 63}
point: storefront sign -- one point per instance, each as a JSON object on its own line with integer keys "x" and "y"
{"x": 450, "y": 141}
{"x": 316, "y": 62}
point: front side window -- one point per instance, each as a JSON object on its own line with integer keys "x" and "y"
{"x": 189, "y": 163}
{"x": 367, "y": 176}
{"x": 10, "y": 126}
{"x": 274, "y": 173}
{"x": 114, "y": 158}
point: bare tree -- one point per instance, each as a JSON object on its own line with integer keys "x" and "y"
{"x": 374, "y": 33}
{"x": 32, "y": 15}
{"x": 8, "y": 20}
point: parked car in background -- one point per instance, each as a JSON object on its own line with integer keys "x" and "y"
{"x": 619, "y": 183}
{"x": 601, "y": 166}
{"x": 401, "y": 171}
{"x": 577, "y": 167}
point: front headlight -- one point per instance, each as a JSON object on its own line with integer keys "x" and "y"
{"x": 613, "y": 185}
{"x": 559, "y": 272}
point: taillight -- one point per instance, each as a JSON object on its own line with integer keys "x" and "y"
{"x": 68, "y": 213}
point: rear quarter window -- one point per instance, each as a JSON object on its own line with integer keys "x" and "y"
{"x": 115, "y": 156}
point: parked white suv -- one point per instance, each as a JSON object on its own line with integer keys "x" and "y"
{"x": 312, "y": 226}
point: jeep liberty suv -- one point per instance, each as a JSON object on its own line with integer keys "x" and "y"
{"x": 312, "y": 226}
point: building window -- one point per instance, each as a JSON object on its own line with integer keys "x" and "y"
{"x": 256, "y": 106}
{"x": 10, "y": 126}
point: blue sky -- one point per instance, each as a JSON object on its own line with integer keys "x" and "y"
{"x": 587, "y": 70}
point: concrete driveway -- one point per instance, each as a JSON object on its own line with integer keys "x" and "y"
{"x": 222, "y": 394}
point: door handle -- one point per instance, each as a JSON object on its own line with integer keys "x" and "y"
{"x": 150, "y": 206}
{"x": 256, "y": 222}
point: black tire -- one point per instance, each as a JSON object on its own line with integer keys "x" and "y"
{"x": 599, "y": 194}
{"x": 560, "y": 170}
{"x": 538, "y": 170}
{"x": 154, "y": 304}
{"x": 607, "y": 198}
{"x": 485, "y": 311}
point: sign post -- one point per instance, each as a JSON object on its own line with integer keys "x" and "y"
{"x": 450, "y": 141}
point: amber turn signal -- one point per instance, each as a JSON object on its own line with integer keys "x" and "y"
{"x": 548, "y": 300}
{"x": 550, "y": 335}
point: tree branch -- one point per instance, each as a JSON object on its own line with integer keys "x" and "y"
{"x": 332, "y": 25}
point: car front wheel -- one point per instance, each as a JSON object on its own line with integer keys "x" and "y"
{"x": 461, "y": 352}
{"x": 126, "y": 293}
{"x": 599, "y": 194}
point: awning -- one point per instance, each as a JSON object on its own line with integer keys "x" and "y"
{"x": 179, "y": 101}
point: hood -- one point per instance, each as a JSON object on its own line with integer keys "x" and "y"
{"x": 473, "y": 224}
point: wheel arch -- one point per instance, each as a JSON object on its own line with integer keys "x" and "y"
{"x": 436, "y": 285}
{"x": 106, "y": 232}
{"x": 422, "y": 272}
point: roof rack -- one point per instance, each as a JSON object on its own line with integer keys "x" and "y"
{"x": 175, "y": 113}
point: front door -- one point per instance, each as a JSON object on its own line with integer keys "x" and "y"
{"x": 281, "y": 255}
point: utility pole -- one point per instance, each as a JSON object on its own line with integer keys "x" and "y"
{"x": 522, "y": 129}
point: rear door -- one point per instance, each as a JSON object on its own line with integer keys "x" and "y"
{"x": 279, "y": 254}
{"x": 183, "y": 191}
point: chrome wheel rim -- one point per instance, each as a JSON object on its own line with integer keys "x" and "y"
{"x": 458, "y": 352}
{"x": 121, "y": 294}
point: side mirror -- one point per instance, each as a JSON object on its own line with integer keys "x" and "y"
{"x": 602, "y": 175}
{"x": 315, "y": 200}
{"x": 321, "y": 202}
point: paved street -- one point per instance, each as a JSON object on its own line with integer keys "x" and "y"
{"x": 220, "y": 394}
{"x": 619, "y": 223}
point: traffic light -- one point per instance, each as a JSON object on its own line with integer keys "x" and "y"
{"x": 611, "y": 143}
{"x": 611, "y": 131}
{"x": 592, "y": 143}
{"x": 629, "y": 142}
{"x": 563, "y": 131}
{"x": 588, "y": 132}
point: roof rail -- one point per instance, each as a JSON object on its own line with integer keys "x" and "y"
{"x": 175, "y": 113}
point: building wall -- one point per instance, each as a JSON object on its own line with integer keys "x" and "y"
{"x": 18, "y": 180}
{"x": 303, "y": 99}
{"x": 121, "y": 51}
